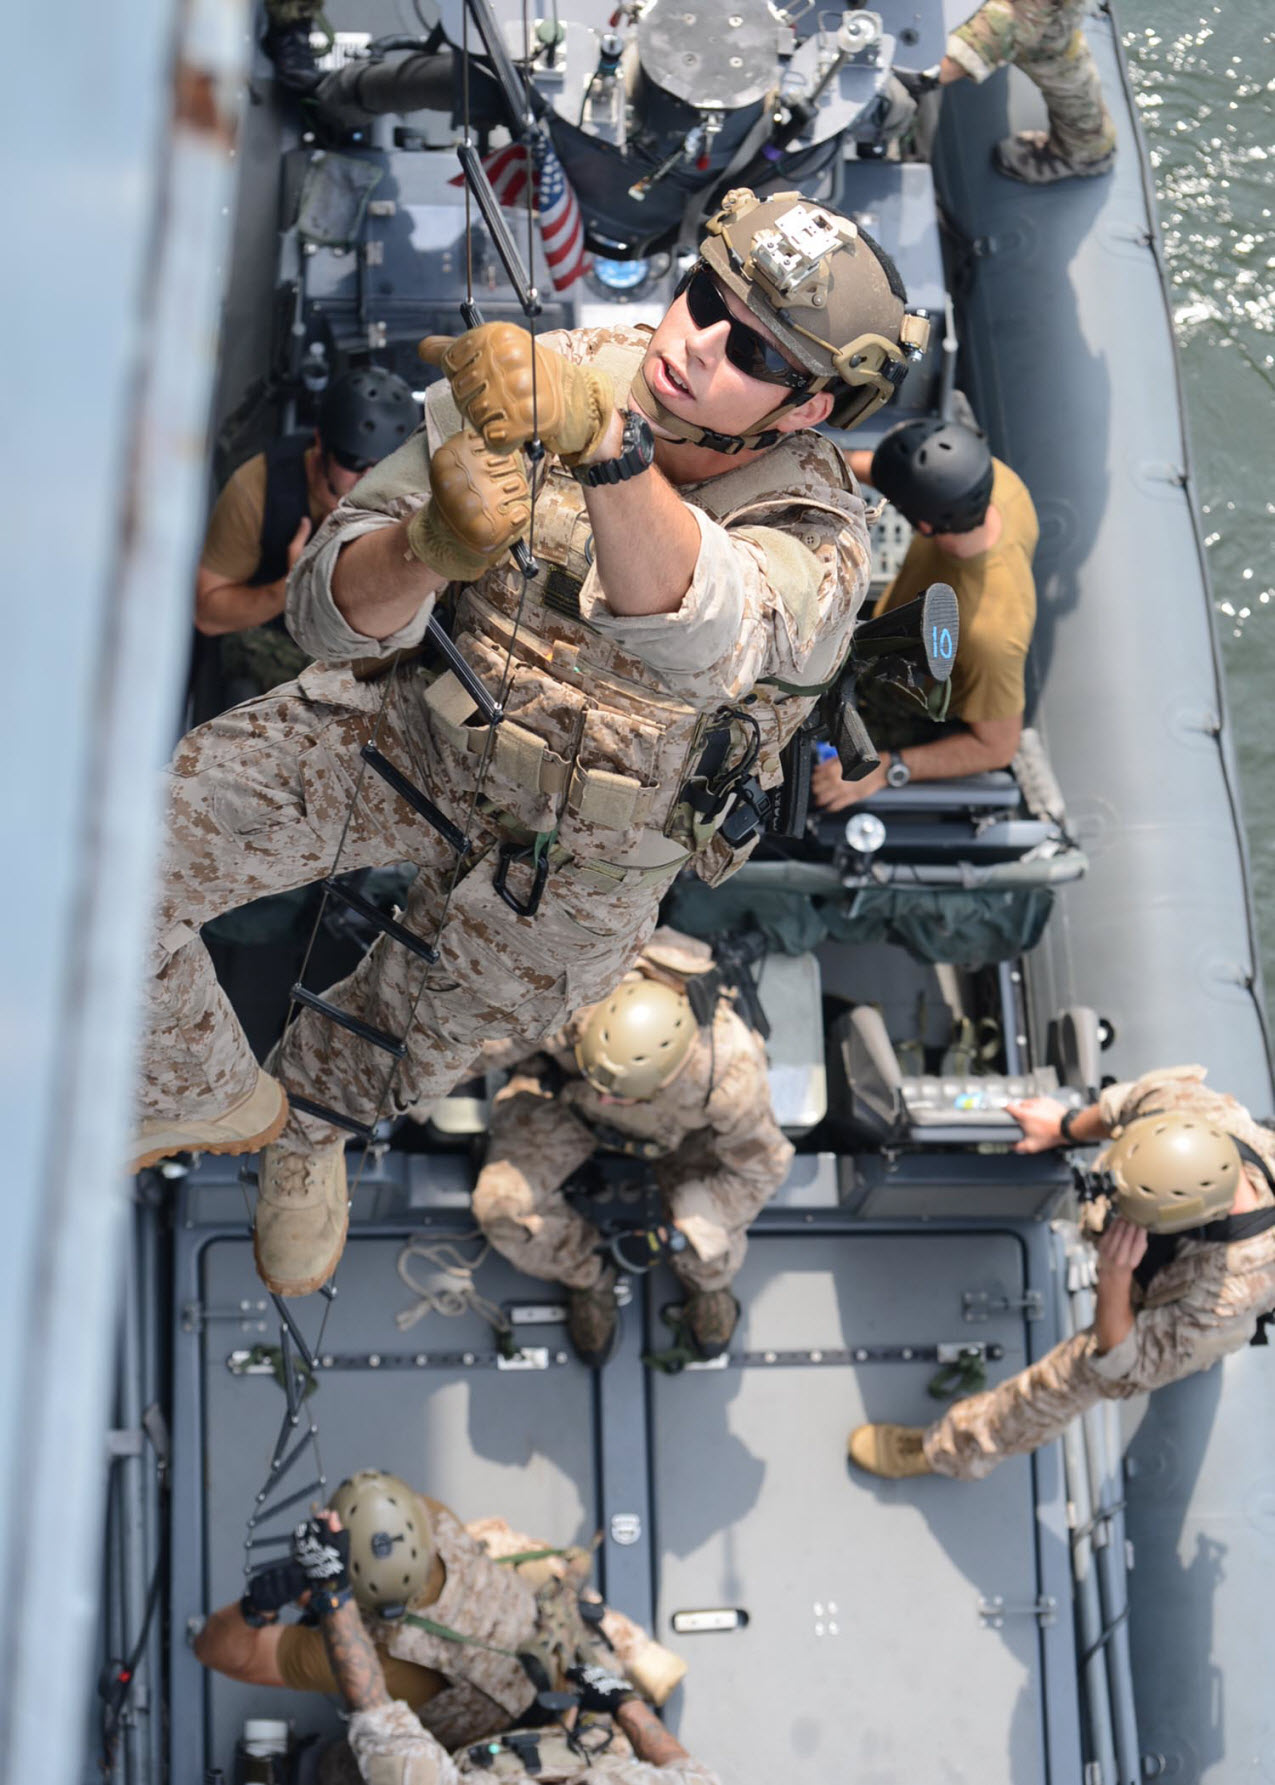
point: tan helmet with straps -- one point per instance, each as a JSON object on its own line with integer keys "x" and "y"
{"x": 826, "y": 292}
{"x": 391, "y": 1540}
{"x": 637, "y": 1040}
{"x": 1172, "y": 1171}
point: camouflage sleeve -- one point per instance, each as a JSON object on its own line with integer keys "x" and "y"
{"x": 987, "y": 39}
{"x": 391, "y": 1748}
{"x": 751, "y": 1155}
{"x": 1168, "y": 1087}
{"x": 1170, "y": 1342}
{"x": 390, "y": 492}
{"x": 776, "y": 600}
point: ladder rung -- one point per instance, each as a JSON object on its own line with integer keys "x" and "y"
{"x": 418, "y": 801}
{"x": 279, "y": 1470}
{"x": 355, "y": 1024}
{"x": 290, "y": 1329}
{"x": 381, "y": 921}
{"x": 464, "y": 672}
{"x": 309, "y": 1492}
{"x": 322, "y": 1113}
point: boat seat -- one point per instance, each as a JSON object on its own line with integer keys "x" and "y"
{"x": 791, "y": 995}
{"x": 886, "y": 1106}
{"x": 1006, "y": 827}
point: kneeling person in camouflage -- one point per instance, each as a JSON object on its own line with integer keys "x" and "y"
{"x": 638, "y": 1075}
{"x": 468, "y": 1621}
{"x": 611, "y": 1736}
{"x": 1044, "y": 39}
{"x": 702, "y": 556}
{"x": 1185, "y": 1268}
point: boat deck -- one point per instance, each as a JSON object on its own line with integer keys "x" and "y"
{"x": 869, "y": 1643}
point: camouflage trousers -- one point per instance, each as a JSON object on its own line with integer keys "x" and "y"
{"x": 258, "y": 800}
{"x": 1044, "y": 39}
{"x": 534, "y": 1146}
{"x": 1022, "y": 1413}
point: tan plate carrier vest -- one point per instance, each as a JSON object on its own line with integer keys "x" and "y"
{"x": 595, "y": 751}
{"x": 490, "y": 1602}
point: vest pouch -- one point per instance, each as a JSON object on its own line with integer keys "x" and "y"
{"x": 717, "y": 861}
{"x": 616, "y": 790}
{"x": 530, "y": 752}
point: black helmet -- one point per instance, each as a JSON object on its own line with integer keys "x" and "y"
{"x": 365, "y": 415}
{"x": 939, "y": 472}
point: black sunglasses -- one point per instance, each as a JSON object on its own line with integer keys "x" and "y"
{"x": 745, "y": 348}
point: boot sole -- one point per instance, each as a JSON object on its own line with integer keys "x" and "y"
{"x": 253, "y": 1143}
{"x": 291, "y": 1291}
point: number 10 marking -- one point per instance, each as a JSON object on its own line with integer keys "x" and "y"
{"x": 942, "y": 642}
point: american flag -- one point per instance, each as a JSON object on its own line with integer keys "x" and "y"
{"x": 557, "y": 212}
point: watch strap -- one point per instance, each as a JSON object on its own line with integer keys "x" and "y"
{"x": 1066, "y": 1123}
{"x": 636, "y": 454}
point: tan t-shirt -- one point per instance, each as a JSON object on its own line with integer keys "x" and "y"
{"x": 232, "y": 543}
{"x": 303, "y": 1663}
{"x": 996, "y": 597}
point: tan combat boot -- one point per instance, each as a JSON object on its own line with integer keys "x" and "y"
{"x": 302, "y": 1215}
{"x": 251, "y": 1123}
{"x": 1036, "y": 159}
{"x": 891, "y": 1451}
{"x": 593, "y": 1320}
{"x": 709, "y": 1319}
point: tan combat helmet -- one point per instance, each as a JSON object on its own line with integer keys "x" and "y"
{"x": 1172, "y": 1171}
{"x": 826, "y": 292}
{"x": 391, "y": 1541}
{"x": 637, "y": 1040}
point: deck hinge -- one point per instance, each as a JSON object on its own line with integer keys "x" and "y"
{"x": 994, "y": 1611}
{"x": 981, "y": 1304}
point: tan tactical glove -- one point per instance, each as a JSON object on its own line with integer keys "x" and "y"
{"x": 490, "y": 369}
{"x": 479, "y": 505}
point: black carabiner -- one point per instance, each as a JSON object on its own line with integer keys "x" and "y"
{"x": 506, "y": 856}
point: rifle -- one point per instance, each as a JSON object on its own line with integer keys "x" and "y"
{"x": 903, "y": 650}
{"x": 910, "y": 652}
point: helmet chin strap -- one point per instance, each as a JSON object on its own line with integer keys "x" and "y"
{"x": 762, "y": 434}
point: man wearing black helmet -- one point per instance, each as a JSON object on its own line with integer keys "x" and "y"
{"x": 269, "y": 508}
{"x": 975, "y": 528}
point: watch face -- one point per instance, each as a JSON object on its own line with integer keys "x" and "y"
{"x": 639, "y": 438}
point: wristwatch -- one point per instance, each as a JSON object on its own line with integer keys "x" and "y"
{"x": 1065, "y": 1124}
{"x": 898, "y": 774}
{"x": 637, "y": 453}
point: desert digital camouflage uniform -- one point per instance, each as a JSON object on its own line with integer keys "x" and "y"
{"x": 392, "y": 1748}
{"x": 1044, "y": 39}
{"x": 1196, "y": 1309}
{"x": 529, "y": 1606}
{"x": 606, "y": 717}
{"x": 718, "y": 1153}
